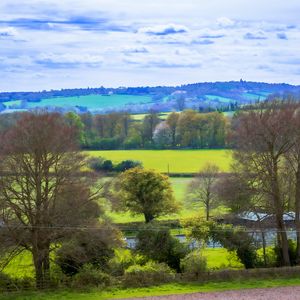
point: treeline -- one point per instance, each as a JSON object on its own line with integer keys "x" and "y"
{"x": 234, "y": 89}
{"x": 188, "y": 129}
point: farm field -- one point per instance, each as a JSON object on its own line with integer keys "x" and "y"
{"x": 172, "y": 161}
{"x": 92, "y": 102}
{"x": 167, "y": 289}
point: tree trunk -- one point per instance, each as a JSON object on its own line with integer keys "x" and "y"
{"x": 283, "y": 241}
{"x": 41, "y": 259}
{"x": 148, "y": 217}
{"x": 207, "y": 212}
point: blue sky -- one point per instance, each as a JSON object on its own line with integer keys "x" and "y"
{"x": 53, "y": 44}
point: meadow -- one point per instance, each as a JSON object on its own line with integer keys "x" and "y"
{"x": 171, "y": 161}
{"x": 93, "y": 103}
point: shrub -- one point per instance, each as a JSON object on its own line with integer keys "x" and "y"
{"x": 127, "y": 164}
{"x": 96, "y": 163}
{"x": 159, "y": 245}
{"x": 271, "y": 257}
{"x": 107, "y": 165}
{"x": 88, "y": 276}
{"x": 149, "y": 274}
{"x": 194, "y": 263}
{"x": 123, "y": 259}
{"x": 8, "y": 283}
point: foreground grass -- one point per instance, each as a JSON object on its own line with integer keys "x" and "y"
{"x": 174, "y": 161}
{"x": 168, "y": 289}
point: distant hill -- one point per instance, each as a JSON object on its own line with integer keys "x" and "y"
{"x": 204, "y": 95}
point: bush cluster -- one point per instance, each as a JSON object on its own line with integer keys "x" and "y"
{"x": 99, "y": 164}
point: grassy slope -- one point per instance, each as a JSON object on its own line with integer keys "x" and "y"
{"x": 167, "y": 289}
{"x": 179, "y": 161}
{"x": 92, "y": 102}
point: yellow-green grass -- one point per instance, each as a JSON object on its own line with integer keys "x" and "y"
{"x": 162, "y": 290}
{"x": 20, "y": 266}
{"x": 221, "y": 258}
{"x": 140, "y": 117}
{"x": 173, "y": 161}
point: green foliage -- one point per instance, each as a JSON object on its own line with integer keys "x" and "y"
{"x": 123, "y": 259}
{"x": 232, "y": 238}
{"x": 146, "y": 192}
{"x": 89, "y": 276}
{"x": 271, "y": 257}
{"x": 236, "y": 239}
{"x": 194, "y": 263}
{"x": 149, "y": 274}
{"x": 159, "y": 245}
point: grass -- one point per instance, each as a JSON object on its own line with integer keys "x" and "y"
{"x": 91, "y": 102}
{"x": 174, "y": 161}
{"x": 167, "y": 289}
{"x": 221, "y": 258}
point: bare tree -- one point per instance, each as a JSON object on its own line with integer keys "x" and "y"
{"x": 201, "y": 188}
{"x": 262, "y": 138}
{"x": 293, "y": 166}
{"x": 43, "y": 197}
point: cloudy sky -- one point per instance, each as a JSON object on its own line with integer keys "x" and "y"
{"x": 50, "y": 44}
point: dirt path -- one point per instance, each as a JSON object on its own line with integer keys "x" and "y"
{"x": 281, "y": 293}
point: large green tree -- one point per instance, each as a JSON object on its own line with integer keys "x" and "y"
{"x": 146, "y": 192}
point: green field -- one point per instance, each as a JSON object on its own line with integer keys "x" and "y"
{"x": 92, "y": 102}
{"x": 162, "y": 290}
{"x": 172, "y": 161}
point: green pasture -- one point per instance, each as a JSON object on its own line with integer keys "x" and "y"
{"x": 172, "y": 161}
{"x": 91, "y": 102}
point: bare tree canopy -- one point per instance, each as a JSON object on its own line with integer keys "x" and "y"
{"x": 43, "y": 198}
{"x": 201, "y": 189}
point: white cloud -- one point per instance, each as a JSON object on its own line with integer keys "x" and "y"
{"x": 164, "y": 29}
{"x": 8, "y": 32}
{"x": 225, "y": 22}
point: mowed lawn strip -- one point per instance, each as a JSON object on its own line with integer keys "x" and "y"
{"x": 173, "y": 161}
{"x": 167, "y": 289}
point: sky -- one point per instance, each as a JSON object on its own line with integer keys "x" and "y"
{"x": 54, "y": 44}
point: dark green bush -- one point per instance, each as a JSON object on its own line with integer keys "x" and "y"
{"x": 159, "y": 245}
{"x": 127, "y": 164}
{"x": 149, "y": 274}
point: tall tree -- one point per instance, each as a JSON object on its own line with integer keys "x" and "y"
{"x": 172, "y": 121}
{"x": 43, "y": 198}
{"x": 262, "y": 138}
